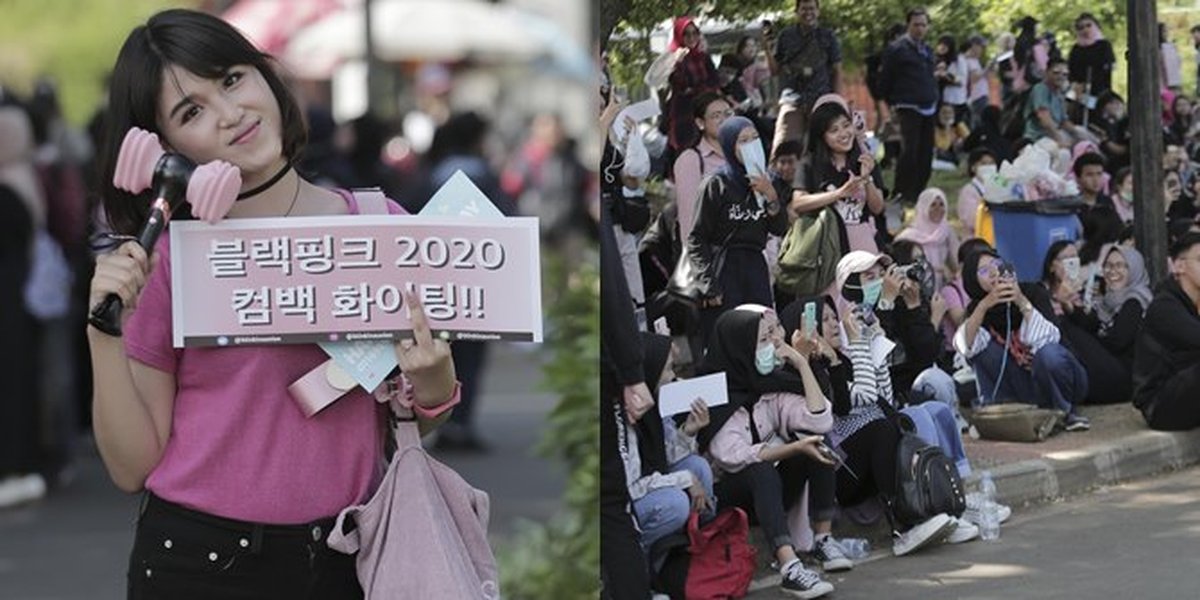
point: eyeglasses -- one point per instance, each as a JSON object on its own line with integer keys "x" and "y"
{"x": 1116, "y": 267}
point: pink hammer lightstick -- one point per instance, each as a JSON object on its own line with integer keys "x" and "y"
{"x": 211, "y": 189}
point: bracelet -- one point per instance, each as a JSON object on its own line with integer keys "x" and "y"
{"x": 436, "y": 411}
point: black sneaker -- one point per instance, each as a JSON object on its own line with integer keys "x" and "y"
{"x": 799, "y": 582}
{"x": 831, "y": 555}
{"x": 1075, "y": 422}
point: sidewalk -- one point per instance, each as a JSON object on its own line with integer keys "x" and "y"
{"x": 1118, "y": 448}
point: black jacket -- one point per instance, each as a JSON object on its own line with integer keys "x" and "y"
{"x": 1168, "y": 343}
{"x": 721, "y": 217}
{"x": 918, "y": 344}
{"x": 907, "y": 74}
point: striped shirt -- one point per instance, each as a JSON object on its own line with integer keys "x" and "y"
{"x": 872, "y": 383}
{"x": 1036, "y": 332}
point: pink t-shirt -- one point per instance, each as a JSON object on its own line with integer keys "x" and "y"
{"x": 239, "y": 446}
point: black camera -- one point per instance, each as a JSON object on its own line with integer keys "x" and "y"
{"x": 1007, "y": 271}
{"x": 920, "y": 273}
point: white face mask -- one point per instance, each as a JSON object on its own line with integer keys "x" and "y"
{"x": 1071, "y": 268}
{"x": 753, "y": 157}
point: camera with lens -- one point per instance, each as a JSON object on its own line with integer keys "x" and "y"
{"x": 920, "y": 273}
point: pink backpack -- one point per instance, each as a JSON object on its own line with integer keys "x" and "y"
{"x": 423, "y": 535}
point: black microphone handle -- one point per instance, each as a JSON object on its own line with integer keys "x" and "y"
{"x": 106, "y": 316}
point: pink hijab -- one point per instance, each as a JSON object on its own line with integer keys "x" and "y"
{"x": 936, "y": 239}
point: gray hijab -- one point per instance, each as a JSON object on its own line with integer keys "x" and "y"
{"x": 1138, "y": 287}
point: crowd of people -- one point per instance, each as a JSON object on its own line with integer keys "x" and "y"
{"x": 781, "y": 259}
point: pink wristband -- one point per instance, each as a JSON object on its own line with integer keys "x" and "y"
{"x": 436, "y": 411}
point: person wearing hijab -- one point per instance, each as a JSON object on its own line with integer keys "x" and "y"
{"x": 737, "y": 209}
{"x": 1166, "y": 368}
{"x": 694, "y": 73}
{"x": 1075, "y": 315}
{"x": 765, "y": 444}
{"x": 1127, "y": 294}
{"x": 667, "y": 479}
{"x": 1091, "y": 60}
{"x": 932, "y": 231}
{"x": 1012, "y": 346}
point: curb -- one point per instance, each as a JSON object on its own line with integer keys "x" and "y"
{"x": 1038, "y": 481}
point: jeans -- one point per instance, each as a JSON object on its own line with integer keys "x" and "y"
{"x": 665, "y": 510}
{"x": 1056, "y": 380}
{"x": 766, "y": 493}
{"x": 936, "y": 425}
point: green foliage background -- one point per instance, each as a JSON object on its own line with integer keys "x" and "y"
{"x": 74, "y": 41}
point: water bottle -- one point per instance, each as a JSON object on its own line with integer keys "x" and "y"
{"x": 855, "y": 548}
{"x": 989, "y": 517}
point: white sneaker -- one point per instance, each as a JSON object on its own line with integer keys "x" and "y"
{"x": 20, "y": 489}
{"x": 831, "y": 555}
{"x": 964, "y": 531}
{"x": 932, "y": 531}
{"x": 975, "y": 503}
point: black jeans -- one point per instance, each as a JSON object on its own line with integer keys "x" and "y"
{"x": 1174, "y": 407}
{"x": 182, "y": 554}
{"x": 871, "y": 456}
{"x": 916, "y": 154}
{"x": 766, "y": 493}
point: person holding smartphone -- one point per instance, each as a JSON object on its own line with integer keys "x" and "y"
{"x": 1013, "y": 347}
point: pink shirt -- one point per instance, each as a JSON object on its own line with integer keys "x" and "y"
{"x": 969, "y": 198}
{"x": 733, "y": 449}
{"x": 689, "y": 172}
{"x": 239, "y": 446}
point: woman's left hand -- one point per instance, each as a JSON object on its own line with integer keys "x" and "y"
{"x": 763, "y": 186}
{"x": 867, "y": 167}
{"x": 425, "y": 361}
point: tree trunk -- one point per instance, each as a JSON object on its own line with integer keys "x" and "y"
{"x": 1145, "y": 124}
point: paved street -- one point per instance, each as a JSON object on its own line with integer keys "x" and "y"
{"x": 1130, "y": 541}
{"x": 74, "y": 544}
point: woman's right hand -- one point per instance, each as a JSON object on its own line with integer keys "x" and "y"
{"x": 122, "y": 272}
{"x": 808, "y": 446}
{"x": 850, "y": 323}
{"x": 851, "y": 187}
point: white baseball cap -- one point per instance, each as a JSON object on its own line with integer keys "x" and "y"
{"x": 857, "y": 262}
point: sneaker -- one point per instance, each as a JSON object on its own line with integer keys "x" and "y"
{"x": 799, "y": 582}
{"x": 964, "y": 531}
{"x": 1076, "y": 422}
{"x": 928, "y": 533}
{"x": 20, "y": 489}
{"x": 975, "y": 504}
{"x": 831, "y": 555}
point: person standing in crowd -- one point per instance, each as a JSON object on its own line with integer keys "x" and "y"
{"x": 807, "y": 59}
{"x": 1166, "y": 366}
{"x": 693, "y": 75}
{"x": 1091, "y": 59}
{"x": 911, "y": 91}
{"x": 764, "y": 443}
{"x": 1004, "y": 65}
{"x": 20, "y": 422}
{"x": 1012, "y": 346}
{"x": 736, "y": 212}
{"x": 624, "y": 397}
{"x": 978, "y": 87}
{"x": 1029, "y": 54}
{"x": 951, "y": 73}
{"x": 703, "y": 158}
{"x": 229, "y": 456}
{"x": 1172, "y": 64}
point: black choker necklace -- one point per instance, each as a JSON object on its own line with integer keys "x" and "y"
{"x": 270, "y": 182}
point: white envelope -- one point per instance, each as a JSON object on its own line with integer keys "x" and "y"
{"x": 677, "y": 397}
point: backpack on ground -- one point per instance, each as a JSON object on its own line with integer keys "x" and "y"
{"x": 927, "y": 482}
{"x": 713, "y": 562}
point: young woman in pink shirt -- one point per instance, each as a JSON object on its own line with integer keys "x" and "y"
{"x": 240, "y": 487}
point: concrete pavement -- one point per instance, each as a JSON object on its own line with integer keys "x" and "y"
{"x": 1133, "y": 540}
{"x": 74, "y": 544}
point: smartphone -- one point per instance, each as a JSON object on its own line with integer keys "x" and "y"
{"x": 809, "y": 322}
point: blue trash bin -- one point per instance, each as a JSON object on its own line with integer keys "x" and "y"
{"x": 1025, "y": 230}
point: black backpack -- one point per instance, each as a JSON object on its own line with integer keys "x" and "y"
{"x": 927, "y": 482}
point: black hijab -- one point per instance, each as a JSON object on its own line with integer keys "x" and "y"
{"x": 731, "y": 349}
{"x": 997, "y": 317}
{"x": 656, "y": 350}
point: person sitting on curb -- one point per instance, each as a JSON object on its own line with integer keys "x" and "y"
{"x": 1013, "y": 347}
{"x": 667, "y": 479}
{"x": 1166, "y": 366}
{"x": 759, "y": 442}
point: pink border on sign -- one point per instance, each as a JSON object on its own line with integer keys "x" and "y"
{"x": 312, "y": 279}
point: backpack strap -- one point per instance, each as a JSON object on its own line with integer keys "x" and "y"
{"x": 371, "y": 201}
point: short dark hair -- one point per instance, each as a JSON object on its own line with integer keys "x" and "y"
{"x": 977, "y": 155}
{"x": 1122, "y": 173}
{"x": 1086, "y": 16}
{"x": 204, "y": 45}
{"x": 971, "y": 246}
{"x": 700, "y": 104}
{"x": 788, "y": 147}
{"x": 915, "y": 12}
{"x": 1087, "y": 159}
{"x": 1055, "y": 60}
{"x": 1184, "y": 243}
{"x": 799, "y": 2}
